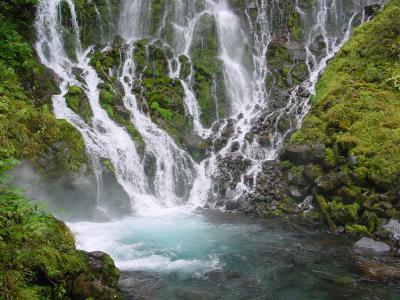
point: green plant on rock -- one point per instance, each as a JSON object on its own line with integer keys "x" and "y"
{"x": 77, "y": 101}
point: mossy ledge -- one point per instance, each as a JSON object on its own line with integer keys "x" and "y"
{"x": 347, "y": 153}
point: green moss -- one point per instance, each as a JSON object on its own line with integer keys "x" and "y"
{"x": 370, "y": 220}
{"x": 355, "y": 107}
{"x": 77, "y": 101}
{"x": 324, "y": 208}
{"x": 108, "y": 164}
{"x": 27, "y": 127}
{"x": 208, "y": 83}
{"x": 355, "y": 229}
{"x": 29, "y": 132}
{"x": 164, "y": 96}
{"x": 355, "y": 116}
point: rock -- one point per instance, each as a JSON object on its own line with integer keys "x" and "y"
{"x": 312, "y": 172}
{"x": 369, "y": 246}
{"x": 379, "y": 270}
{"x": 295, "y": 193}
{"x": 232, "y": 205}
{"x": 343, "y": 214}
{"x": 327, "y": 182}
{"x": 298, "y": 154}
{"x": 85, "y": 287}
{"x": 339, "y": 229}
{"x": 393, "y": 228}
{"x": 235, "y": 146}
{"x": 352, "y": 161}
{"x": 369, "y": 219}
{"x": 371, "y": 10}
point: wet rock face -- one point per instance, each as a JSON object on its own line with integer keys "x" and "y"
{"x": 393, "y": 229}
{"x": 267, "y": 193}
{"x": 270, "y": 189}
{"x": 230, "y": 171}
{"x": 75, "y": 193}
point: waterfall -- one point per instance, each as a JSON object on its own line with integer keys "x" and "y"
{"x": 246, "y": 82}
{"x": 103, "y": 137}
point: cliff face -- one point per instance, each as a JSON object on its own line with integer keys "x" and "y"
{"x": 347, "y": 152}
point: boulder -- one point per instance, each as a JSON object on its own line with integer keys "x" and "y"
{"x": 370, "y": 220}
{"x": 369, "y": 246}
{"x": 232, "y": 205}
{"x": 298, "y": 154}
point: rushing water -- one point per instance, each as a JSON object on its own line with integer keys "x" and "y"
{"x": 166, "y": 249}
{"x": 243, "y": 42}
{"x": 209, "y": 255}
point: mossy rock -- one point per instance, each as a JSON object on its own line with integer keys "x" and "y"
{"x": 343, "y": 214}
{"x": 78, "y": 102}
{"x": 356, "y": 229}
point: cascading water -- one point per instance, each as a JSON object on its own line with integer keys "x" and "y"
{"x": 103, "y": 137}
{"x": 218, "y": 56}
{"x": 325, "y": 27}
{"x": 243, "y": 43}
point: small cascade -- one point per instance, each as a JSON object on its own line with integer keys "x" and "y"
{"x": 173, "y": 167}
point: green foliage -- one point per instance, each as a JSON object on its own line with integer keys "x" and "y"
{"x": 37, "y": 252}
{"x": 355, "y": 115}
{"x": 27, "y": 127}
{"x": 79, "y": 103}
{"x": 38, "y": 258}
{"x": 29, "y": 132}
{"x": 356, "y": 106}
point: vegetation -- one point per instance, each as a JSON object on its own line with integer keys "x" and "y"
{"x": 355, "y": 122}
{"x": 208, "y": 74}
{"x": 38, "y": 258}
{"x": 28, "y": 129}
